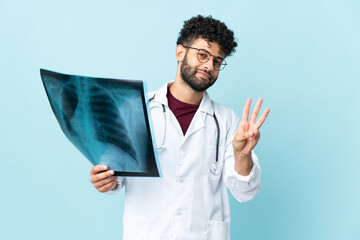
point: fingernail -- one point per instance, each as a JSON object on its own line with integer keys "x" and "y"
{"x": 104, "y": 167}
{"x": 251, "y": 133}
{"x": 111, "y": 172}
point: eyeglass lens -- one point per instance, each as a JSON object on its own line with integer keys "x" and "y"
{"x": 204, "y": 56}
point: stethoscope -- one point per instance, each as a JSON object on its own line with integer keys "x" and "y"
{"x": 214, "y": 167}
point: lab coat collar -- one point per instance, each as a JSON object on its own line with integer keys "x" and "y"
{"x": 205, "y": 104}
{"x": 160, "y": 95}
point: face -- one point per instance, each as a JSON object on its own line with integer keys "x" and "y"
{"x": 200, "y": 76}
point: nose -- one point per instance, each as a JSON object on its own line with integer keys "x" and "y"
{"x": 209, "y": 65}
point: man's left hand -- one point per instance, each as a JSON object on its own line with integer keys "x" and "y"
{"x": 247, "y": 136}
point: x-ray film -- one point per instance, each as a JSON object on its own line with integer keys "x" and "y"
{"x": 106, "y": 119}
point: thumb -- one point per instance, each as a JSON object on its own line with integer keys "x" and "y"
{"x": 239, "y": 137}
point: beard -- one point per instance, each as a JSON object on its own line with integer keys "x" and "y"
{"x": 188, "y": 74}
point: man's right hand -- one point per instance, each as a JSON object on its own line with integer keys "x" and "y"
{"x": 102, "y": 179}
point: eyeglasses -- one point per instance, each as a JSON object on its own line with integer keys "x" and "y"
{"x": 204, "y": 56}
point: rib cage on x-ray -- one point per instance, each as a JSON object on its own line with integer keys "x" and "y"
{"x": 104, "y": 119}
{"x": 111, "y": 130}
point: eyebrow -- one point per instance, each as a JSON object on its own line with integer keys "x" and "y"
{"x": 212, "y": 54}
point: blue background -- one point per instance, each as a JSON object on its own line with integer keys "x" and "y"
{"x": 302, "y": 57}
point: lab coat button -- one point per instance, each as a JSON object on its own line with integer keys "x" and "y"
{"x": 180, "y": 180}
{"x": 178, "y": 213}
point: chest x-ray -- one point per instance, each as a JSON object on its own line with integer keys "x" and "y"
{"x": 106, "y": 119}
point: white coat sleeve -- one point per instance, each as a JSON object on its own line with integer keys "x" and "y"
{"x": 243, "y": 188}
{"x": 120, "y": 185}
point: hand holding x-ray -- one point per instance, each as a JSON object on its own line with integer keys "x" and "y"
{"x": 102, "y": 179}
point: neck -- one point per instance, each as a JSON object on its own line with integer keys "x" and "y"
{"x": 183, "y": 92}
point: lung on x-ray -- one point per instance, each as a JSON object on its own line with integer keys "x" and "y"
{"x": 106, "y": 119}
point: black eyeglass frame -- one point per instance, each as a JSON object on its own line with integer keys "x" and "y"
{"x": 223, "y": 62}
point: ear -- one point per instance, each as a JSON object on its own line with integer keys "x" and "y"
{"x": 180, "y": 53}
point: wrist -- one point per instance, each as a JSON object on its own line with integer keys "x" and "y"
{"x": 243, "y": 163}
{"x": 241, "y": 156}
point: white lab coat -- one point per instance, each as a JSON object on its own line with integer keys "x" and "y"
{"x": 188, "y": 202}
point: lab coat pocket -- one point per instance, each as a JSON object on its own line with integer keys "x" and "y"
{"x": 135, "y": 228}
{"x": 218, "y": 230}
{"x": 215, "y": 168}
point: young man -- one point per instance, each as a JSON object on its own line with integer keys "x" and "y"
{"x": 205, "y": 148}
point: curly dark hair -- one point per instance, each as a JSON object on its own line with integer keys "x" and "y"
{"x": 209, "y": 29}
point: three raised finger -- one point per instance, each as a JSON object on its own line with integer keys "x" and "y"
{"x": 255, "y": 113}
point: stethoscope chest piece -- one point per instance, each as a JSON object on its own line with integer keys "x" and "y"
{"x": 215, "y": 168}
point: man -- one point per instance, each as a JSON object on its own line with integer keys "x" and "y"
{"x": 206, "y": 148}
